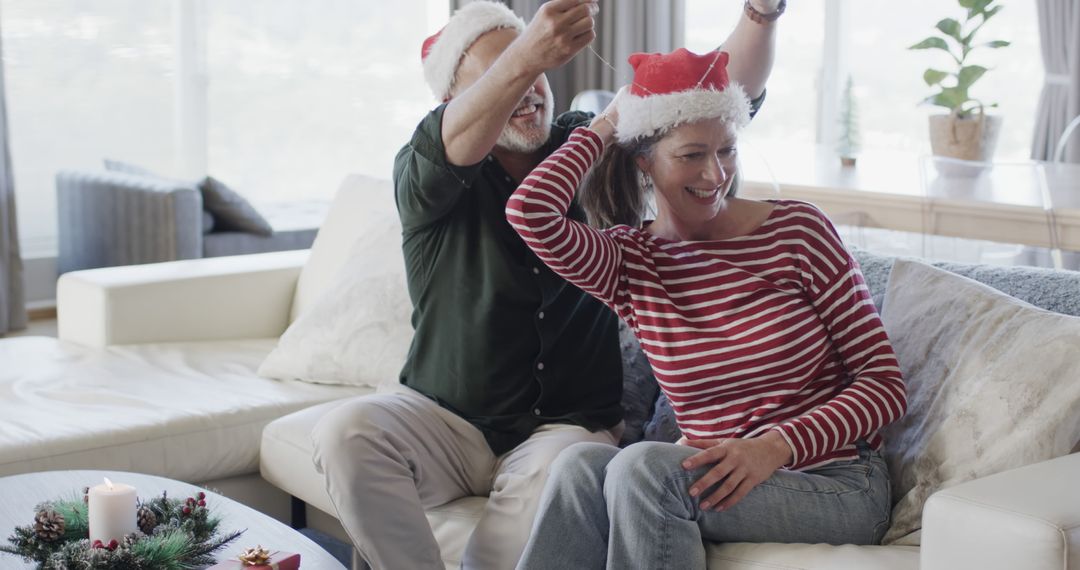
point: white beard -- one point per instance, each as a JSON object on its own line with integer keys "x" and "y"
{"x": 515, "y": 139}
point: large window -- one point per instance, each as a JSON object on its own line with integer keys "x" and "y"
{"x": 822, "y": 42}
{"x": 889, "y": 82}
{"x": 281, "y": 99}
{"x": 84, "y": 80}
{"x": 790, "y": 110}
{"x": 302, "y": 93}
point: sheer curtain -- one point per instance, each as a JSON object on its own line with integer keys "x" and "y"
{"x": 1059, "y": 28}
{"x": 12, "y": 296}
{"x": 623, "y": 27}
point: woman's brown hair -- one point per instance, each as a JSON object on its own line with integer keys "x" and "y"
{"x": 612, "y": 192}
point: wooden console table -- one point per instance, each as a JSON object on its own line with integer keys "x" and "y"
{"x": 886, "y": 190}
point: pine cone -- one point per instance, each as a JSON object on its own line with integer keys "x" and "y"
{"x": 147, "y": 520}
{"x": 49, "y": 525}
{"x": 131, "y": 539}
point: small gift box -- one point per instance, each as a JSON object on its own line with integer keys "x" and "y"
{"x": 269, "y": 561}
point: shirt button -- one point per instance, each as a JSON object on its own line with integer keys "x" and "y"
{"x": 541, "y": 315}
{"x": 536, "y": 271}
{"x": 508, "y": 179}
{"x": 536, "y": 412}
{"x": 540, "y": 366}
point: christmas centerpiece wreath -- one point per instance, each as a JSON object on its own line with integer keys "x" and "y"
{"x": 174, "y": 534}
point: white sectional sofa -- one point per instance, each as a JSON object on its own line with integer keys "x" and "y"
{"x": 154, "y": 371}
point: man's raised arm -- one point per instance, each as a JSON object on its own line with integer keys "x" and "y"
{"x": 493, "y": 77}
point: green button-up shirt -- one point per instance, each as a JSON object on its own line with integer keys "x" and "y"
{"x": 500, "y": 340}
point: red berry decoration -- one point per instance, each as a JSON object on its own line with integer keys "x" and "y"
{"x": 97, "y": 544}
{"x": 202, "y": 503}
{"x": 113, "y": 544}
{"x": 186, "y": 510}
{"x": 201, "y": 495}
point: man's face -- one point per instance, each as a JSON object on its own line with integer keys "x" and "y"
{"x": 530, "y": 125}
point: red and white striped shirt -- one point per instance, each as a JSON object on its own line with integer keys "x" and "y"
{"x": 771, "y": 330}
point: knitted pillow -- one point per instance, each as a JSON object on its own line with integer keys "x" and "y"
{"x": 1051, "y": 289}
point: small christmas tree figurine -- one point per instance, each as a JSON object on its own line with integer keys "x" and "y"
{"x": 847, "y": 143}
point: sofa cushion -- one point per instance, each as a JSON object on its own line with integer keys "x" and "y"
{"x": 286, "y": 455}
{"x": 207, "y": 222}
{"x": 639, "y": 387}
{"x": 991, "y": 385}
{"x": 192, "y": 411}
{"x": 662, "y": 426}
{"x": 359, "y": 331}
{"x": 231, "y": 210}
{"x": 222, "y": 244}
{"x": 286, "y": 462}
{"x": 453, "y": 522}
{"x": 360, "y": 201}
{"x": 295, "y": 225}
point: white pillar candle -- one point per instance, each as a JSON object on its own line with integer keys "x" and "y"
{"x": 111, "y": 511}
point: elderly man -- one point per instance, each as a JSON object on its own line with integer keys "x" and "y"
{"x": 509, "y": 364}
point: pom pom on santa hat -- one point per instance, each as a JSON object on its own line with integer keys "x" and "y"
{"x": 676, "y": 88}
{"x": 441, "y": 53}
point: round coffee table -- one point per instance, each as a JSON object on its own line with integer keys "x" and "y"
{"x": 19, "y": 494}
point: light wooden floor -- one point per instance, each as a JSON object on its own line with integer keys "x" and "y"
{"x": 42, "y": 327}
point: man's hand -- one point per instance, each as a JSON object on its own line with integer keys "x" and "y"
{"x": 740, "y": 465}
{"x": 560, "y": 29}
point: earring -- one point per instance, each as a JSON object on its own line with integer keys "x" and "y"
{"x": 645, "y": 181}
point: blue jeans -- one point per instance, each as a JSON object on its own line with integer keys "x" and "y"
{"x": 631, "y": 508}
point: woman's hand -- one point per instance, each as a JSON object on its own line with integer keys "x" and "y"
{"x": 740, "y": 465}
{"x": 765, "y": 6}
{"x": 607, "y": 122}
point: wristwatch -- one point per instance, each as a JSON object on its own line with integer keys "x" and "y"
{"x": 753, "y": 14}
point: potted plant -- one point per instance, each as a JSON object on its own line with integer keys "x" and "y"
{"x": 967, "y": 132}
{"x": 847, "y": 143}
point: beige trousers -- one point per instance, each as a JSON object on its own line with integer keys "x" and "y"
{"x": 387, "y": 457}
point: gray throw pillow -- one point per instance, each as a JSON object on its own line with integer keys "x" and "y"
{"x": 661, "y": 426}
{"x": 128, "y": 168}
{"x": 231, "y": 210}
{"x": 207, "y": 222}
{"x": 639, "y": 386}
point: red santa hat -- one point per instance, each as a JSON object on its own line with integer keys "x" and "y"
{"x": 441, "y": 53}
{"x": 675, "y": 88}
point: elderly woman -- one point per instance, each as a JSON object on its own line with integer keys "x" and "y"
{"x": 754, "y": 316}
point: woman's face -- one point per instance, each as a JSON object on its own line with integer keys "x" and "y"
{"x": 692, "y": 168}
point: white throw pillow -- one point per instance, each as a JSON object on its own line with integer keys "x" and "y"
{"x": 992, "y": 385}
{"x": 358, "y": 332}
{"x": 360, "y": 202}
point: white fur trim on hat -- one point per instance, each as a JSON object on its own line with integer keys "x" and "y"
{"x": 655, "y": 114}
{"x": 465, "y": 26}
